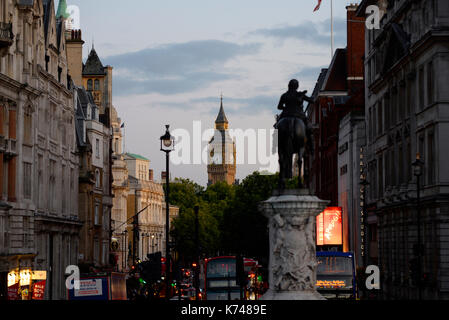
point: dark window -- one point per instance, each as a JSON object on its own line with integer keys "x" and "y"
{"x": 430, "y": 80}
{"x": 89, "y": 85}
{"x": 380, "y": 118}
{"x": 381, "y": 177}
{"x": 431, "y": 158}
{"x": 387, "y": 113}
{"x": 421, "y": 88}
{"x": 97, "y": 85}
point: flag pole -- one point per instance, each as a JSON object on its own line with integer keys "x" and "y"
{"x": 332, "y": 29}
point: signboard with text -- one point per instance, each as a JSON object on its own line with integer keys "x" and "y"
{"x": 39, "y": 290}
{"x": 91, "y": 289}
{"x": 13, "y": 292}
{"x": 329, "y": 227}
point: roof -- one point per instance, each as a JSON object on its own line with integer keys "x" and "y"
{"x": 336, "y": 76}
{"x": 93, "y": 65}
{"x": 221, "y": 115}
{"x": 319, "y": 83}
{"x": 136, "y": 156}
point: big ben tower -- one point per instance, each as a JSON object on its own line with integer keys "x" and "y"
{"x": 222, "y": 152}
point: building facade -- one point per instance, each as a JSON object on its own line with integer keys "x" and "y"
{"x": 222, "y": 152}
{"x": 338, "y": 92}
{"x": 39, "y": 222}
{"x": 95, "y": 201}
{"x": 146, "y": 210}
{"x": 407, "y": 113}
{"x": 120, "y": 189}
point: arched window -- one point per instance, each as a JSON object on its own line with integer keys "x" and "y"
{"x": 89, "y": 84}
{"x": 97, "y": 85}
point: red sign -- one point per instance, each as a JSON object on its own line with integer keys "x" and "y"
{"x": 329, "y": 227}
{"x": 13, "y": 292}
{"x": 39, "y": 290}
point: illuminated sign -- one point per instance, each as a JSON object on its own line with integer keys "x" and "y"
{"x": 329, "y": 227}
{"x": 331, "y": 283}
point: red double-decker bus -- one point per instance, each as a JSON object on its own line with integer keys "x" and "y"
{"x": 218, "y": 277}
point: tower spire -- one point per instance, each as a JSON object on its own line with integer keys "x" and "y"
{"x": 62, "y": 10}
{"x": 221, "y": 119}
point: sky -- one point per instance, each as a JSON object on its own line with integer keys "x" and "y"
{"x": 173, "y": 59}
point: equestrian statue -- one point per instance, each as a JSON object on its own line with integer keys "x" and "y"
{"x": 294, "y": 133}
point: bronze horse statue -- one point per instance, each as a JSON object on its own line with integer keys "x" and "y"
{"x": 294, "y": 133}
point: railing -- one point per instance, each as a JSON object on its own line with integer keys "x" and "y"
{"x": 6, "y": 35}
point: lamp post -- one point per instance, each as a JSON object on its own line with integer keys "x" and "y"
{"x": 417, "y": 170}
{"x": 167, "y": 146}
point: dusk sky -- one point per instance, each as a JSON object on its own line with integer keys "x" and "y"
{"x": 173, "y": 59}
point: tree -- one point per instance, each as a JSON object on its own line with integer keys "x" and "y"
{"x": 245, "y": 229}
{"x": 186, "y": 194}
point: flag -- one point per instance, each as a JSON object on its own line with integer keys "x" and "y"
{"x": 318, "y": 6}
{"x": 123, "y": 125}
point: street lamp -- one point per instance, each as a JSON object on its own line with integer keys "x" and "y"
{"x": 167, "y": 146}
{"x": 418, "y": 170}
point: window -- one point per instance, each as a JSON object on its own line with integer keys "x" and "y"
{"x": 393, "y": 107}
{"x": 381, "y": 177}
{"x": 373, "y": 121}
{"x": 97, "y": 214}
{"x": 431, "y": 158}
{"x": 39, "y": 190}
{"x": 421, "y": 88}
{"x": 52, "y": 182}
{"x": 97, "y": 85}
{"x": 430, "y": 91}
{"x": 104, "y": 253}
{"x": 380, "y": 118}
{"x": 401, "y": 166}
{"x": 63, "y": 190}
{"x": 97, "y": 179}
{"x": 408, "y": 165}
{"x": 27, "y": 127}
{"x": 97, "y": 148}
{"x": 96, "y": 251}
{"x": 89, "y": 85}
{"x": 421, "y": 152}
{"x": 387, "y": 113}
{"x": 27, "y": 180}
{"x": 392, "y": 168}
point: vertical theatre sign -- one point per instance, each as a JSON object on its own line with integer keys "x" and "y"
{"x": 329, "y": 227}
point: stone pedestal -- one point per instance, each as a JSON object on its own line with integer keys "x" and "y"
{"x": 292, "y": 223}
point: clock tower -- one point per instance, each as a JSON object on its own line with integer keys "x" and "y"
{"x": 222, "y": 152}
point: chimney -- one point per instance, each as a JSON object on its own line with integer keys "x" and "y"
{"x": 356, "y": 43}
{"x": 74, "y": 48}
{"x": 151, "y": 175}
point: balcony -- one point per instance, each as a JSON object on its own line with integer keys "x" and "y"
{"x": 6, "y": 35}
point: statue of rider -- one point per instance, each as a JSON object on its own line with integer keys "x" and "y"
{"x": 292, "y": 105}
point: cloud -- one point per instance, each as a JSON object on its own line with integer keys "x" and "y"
{"x": 176, "y": 68}
{"x": 241, "y": 106}
{"x": 313, "y": 32}
{"x": 308, "y": 73}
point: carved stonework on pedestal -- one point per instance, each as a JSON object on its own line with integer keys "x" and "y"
{"x": 292, "y": 223}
